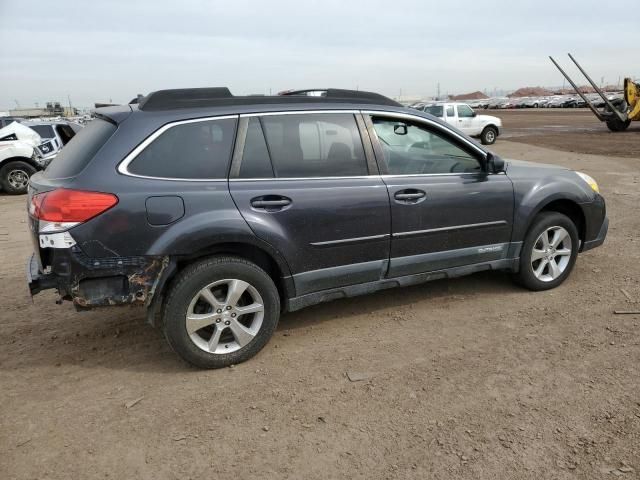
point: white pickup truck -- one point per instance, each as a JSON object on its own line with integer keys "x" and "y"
{"x": 462, "y": 116}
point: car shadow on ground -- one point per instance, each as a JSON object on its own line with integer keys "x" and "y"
{"x": 120, "y": 339}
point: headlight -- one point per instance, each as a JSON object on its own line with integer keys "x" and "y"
{"x": 590, "y": 181}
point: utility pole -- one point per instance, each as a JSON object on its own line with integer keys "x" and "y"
{"x": 438, "y": 92}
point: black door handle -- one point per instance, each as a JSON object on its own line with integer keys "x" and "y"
{"x": 270, "y": 202}
{"x": 410, "y": 196}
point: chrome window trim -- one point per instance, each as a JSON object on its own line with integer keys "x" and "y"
{"x": 408, "y": 116}
{"x": 456, "y": 174}
{"x": 124, "y": 164}
{"x": 446, "y": 229}
{"x": 276, "y": 179}
{"x": 298, "y": 112}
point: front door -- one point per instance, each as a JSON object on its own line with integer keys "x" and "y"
{"x": 466, "y": 119}
{"x": 304, "y": 185}
{"x": 446, "y": 210}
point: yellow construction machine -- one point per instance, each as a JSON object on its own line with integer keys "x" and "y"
{"x": 617, "y": 117}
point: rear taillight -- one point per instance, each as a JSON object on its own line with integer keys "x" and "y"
{"x": 70, "y": 206}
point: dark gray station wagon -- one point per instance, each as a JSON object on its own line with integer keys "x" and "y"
{"x": 217, "y": 212}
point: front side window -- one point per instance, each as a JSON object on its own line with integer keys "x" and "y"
{"x": 412, "y": 149}
{"x": 314, "y": 145}
{"x": 195, "y": 150}
{"x": 465, "y": 111}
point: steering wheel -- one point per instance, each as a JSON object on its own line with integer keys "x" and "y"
{"x": 420, "y": 145}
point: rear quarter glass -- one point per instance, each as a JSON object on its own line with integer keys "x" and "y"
{"x": 80, "y": 150}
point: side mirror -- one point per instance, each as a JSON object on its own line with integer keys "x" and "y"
{"x": 474, "y": 114}
{"x": 400, "y": 129}
{"x": 495, "y": 164}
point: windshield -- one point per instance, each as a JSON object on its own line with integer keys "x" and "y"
{"x": 45, "y": 131}
{"x": 435, "y": 110}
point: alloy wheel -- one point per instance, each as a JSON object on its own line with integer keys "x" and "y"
{"x": 224, "y": 316}
{"x": 18, "y": 179}
{"x": 490, "y": 136}
{"x": 551, "y": 254}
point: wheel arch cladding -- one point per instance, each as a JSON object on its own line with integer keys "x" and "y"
{"x": 563, "y": 205}
{"x": 252, "y": 250}
{"x": 570, "y": 209}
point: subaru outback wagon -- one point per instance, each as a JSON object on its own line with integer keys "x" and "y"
{"x": 218, "y": 212}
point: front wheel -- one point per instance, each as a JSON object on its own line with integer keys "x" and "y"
{"x": 14, "y": 177}
{"x": 489, "y": 135}
{"x": 220, "y": 311}
{"x": 616, "y": 125}
{"x": 549, "y": 252}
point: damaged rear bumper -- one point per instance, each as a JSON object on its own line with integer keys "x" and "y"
{"x": 36, "y": 280}
{"x": 93, "y": 282}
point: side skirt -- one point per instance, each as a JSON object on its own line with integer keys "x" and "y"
{"x": 296, "y": 303}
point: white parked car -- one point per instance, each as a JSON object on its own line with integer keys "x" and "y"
{"x": 20, "y": 157}
{"x": 462, "y": 116}
{"x": 54, "y": 134}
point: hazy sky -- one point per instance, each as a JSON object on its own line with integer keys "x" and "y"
{"x": 101, "y": 50}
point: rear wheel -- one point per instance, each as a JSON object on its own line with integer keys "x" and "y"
{"x": 549, "y": 252}
{"x": 14, "y": 177}
{"x": 489, "y": 135}
{"x": 220, "y": 311}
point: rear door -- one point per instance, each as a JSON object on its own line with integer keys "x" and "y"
{"x": 305, "y": 184}
{"x": 446, "y": 210}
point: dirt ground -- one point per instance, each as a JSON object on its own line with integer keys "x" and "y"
{"x": 573, "y": 130}
{"x": 472, "y": 378}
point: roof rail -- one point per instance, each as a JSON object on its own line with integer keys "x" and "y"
{"x": 339, "y": 93}
{"x": 219, "y": 96}
{"x": 182, "y": 98}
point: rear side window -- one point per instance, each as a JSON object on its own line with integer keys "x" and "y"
{"x": 450, "y": 112}
{"x": 80, "y": 150}
{"x": 314, "y": 145}
{"x": 435, "y": 110}
{"x": 195, "y": 150}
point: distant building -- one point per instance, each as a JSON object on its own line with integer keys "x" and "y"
{"x": 52, "y": 109}
{"x": 28, "y": 112}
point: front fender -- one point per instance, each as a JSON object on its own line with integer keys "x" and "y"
{"x": 15, "y": 149}
{"x": 533, "y": 194}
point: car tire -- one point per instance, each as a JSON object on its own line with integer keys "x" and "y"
{"x": 489, "y": 135}
{"x": 14, "y": 177}
{"x": 202, "y": 327}
{"x": 536, "y": 271}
